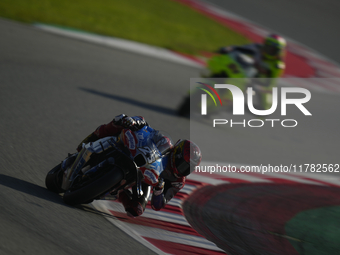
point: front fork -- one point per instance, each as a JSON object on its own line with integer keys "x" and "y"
{"x": 82, "y": 157}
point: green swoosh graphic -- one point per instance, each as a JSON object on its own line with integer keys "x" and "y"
{"x": 209, "y": 94}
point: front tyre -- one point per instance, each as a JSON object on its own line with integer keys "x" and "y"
{"x": 53, "y": 179}
{"x": 94, "y": 189}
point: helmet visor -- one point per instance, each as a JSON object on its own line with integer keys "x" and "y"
{"x": 183, "y": 167}
{"x": 272, "y": 49}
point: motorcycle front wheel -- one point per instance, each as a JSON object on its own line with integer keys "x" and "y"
{"x": 53, "y": 179}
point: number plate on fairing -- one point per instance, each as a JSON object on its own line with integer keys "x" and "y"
{"x": 146, "y": 147}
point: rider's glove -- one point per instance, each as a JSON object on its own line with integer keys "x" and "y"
{"x": 158, "y": 189}
{"x": 129, "y": 123}
{"x": 133, "y": 123}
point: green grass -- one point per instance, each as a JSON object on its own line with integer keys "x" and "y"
{"x": 163, "y": 23}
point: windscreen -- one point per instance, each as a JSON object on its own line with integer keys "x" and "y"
{"x": 163, "y": 142}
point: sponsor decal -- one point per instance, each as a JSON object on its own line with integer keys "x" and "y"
{"x": 157, "y": 166}
{"x": 131, "y": 140}
{"x": 141, "y": 139}
{"x": 148, "y": 153}
{"x": 151, "y": 176}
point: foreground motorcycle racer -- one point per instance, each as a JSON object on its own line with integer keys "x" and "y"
{"x": 182, "y": 159}
{"x": 269, "y": 59}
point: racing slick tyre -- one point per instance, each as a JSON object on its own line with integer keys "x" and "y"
{"x": 86, "y": 194}
{"x": 53, "y": 179}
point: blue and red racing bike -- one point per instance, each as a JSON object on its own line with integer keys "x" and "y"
{"x": 111, "y": 164}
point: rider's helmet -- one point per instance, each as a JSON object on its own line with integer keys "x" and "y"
{"x": 273, "y": 47}
{"x": 185, "y": 156}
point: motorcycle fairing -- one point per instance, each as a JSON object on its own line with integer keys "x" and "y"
{"x": 146, "y": 155}
{"x": 83, "y": 156}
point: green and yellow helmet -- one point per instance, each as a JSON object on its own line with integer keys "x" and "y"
{"x": 274, "y": 47}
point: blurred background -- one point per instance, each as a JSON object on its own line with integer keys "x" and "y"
{"x": 56, "y": 90}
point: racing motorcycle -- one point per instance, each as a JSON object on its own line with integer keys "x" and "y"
{"x": 111, "y": 164}
{"x": 237, "y": 68}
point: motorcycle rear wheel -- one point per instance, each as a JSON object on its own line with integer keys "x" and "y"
{"x": 94, "y": 189}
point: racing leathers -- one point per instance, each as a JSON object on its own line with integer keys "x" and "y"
{"x": 267, "y": 68}
{"x": 168, "y": 184}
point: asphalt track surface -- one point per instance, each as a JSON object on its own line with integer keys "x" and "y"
{"x": 55, "y": 91}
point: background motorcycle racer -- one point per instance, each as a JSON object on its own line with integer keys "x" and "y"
{"x": 181, "y": 161}
{"x": 269, "y": 56}
{"x": 269, "y": 60}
